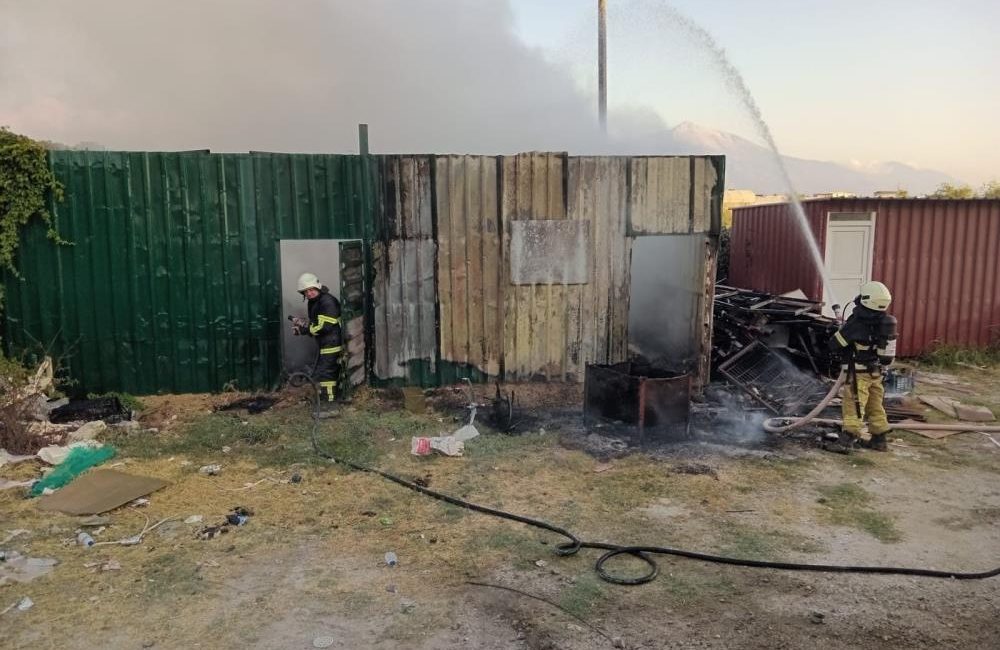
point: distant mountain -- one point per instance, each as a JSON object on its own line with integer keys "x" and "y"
{"x": 751, "y": 166}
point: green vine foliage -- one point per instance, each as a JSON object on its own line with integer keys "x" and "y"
{"x": 26, "y": 183}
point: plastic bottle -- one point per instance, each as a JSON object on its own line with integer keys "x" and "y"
{"x": 84, "y": 539}
{"x": 391, "y": 559}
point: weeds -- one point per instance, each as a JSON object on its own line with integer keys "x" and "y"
{"x": 582, "y": 596}
{"x": 848, "y": 505}
{"x": 947, "y": 355}
{"x": 753, "y": 544}
{"x": 128, "y": 400}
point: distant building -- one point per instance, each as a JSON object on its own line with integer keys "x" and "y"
{"x": 890, "y": 194}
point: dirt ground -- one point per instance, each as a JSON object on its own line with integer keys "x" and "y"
{"x": 307, "y": 570}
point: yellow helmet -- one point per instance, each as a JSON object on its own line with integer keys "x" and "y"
{"x": 875, "y": 296}
{"x": 309, "y": 281}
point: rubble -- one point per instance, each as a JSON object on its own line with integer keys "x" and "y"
{"x": 794, "y": 326}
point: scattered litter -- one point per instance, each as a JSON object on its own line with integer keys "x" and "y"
{"x": 211, "y": 532}
{"x": 194, "y": 519}
{"x": 423, "y": 481}
{"x": 296, "y": 478}
{"x": 391, "y": 588}
{"x": 89, "y": 431}
{"x": 101, "y": 566}
{"x": 136, "y": 539}
{"x": 973, "y": 413}
{"x": 226, "y": 449}
{"x": 391, "y": 559}
{"x": 447, "y": 445}
{"x": 25, "y": 604}
{"x": 817, "y": 618}
{"x": 140, "y": 503}
{"x": 406, "y": 605}
{"x": 238, "y": 516}
{"x": 7, "y": 484}
{"x": 108, "y": 409}
{"x": 467, "y": 432}
{"x": 79, "y": 460}
{"x": 385, "y": 521}
{"x": 56, "y": 454}
{"x": 944, "y": 404}
{"x": 185, "y": 463}
{"x": 323, "y": 641}
{"x": 11, "y": 534}
{"x": 248, "y": 486}
{"x": 6, "y": 458}
{"x": 84, "y": 539}
{"x": 541, "y": 563}
{"x": 252, "y": 405}
{"x": 100, "y": 491}
{"x": 19, "y": 568}
{"x": 93, "y": 520}
{"x": 602, "y": 467}
{"x": 129, "y": 426}
{"x": 210, "y": 470}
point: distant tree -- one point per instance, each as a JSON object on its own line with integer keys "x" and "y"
{"x": 991, "y": 190}
{"x": 949, "y": 191}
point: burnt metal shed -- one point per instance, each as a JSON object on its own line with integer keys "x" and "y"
{"x": 515, "y": 267}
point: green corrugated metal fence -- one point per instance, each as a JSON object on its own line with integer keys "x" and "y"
{"x": 172, "y": 281}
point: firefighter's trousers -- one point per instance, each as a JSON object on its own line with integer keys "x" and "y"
{"x": 870, "y": 397}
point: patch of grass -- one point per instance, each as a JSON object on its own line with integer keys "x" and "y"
{"x": 686, "y": 588}
{"x": 947, "y": 355}
{"x": 847, "y": 504}
{"x": 582, "y": 596}
{"x": 516, "y": 545}
{"x": 128, "y": 400}
{"x": 753, "y": 544}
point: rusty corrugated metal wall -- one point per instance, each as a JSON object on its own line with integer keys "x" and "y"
{"x": 939, "y": 257}
{"x": 767, "y": 249}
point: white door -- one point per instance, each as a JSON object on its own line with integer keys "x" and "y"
{"x": 850, "y": 241}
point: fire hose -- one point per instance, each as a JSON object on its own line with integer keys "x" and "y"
{"x": 643, "y": 553}
{"x": 783, "y": 425}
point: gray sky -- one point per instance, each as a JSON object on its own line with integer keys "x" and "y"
{"x": 902, "y": 81}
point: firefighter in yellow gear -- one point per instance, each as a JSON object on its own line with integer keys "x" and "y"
{"x": 867, "y": 344}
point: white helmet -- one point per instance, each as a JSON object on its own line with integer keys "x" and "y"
{"x": 875, "y": 296}
{"x": 309, "y": 281}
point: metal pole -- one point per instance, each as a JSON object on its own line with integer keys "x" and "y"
{"x": 363, "y": 139}
{"x": 602, "y": 63}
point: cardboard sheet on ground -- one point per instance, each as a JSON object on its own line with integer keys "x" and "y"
{"x": 934, "y": 435}
{"x": 99, "y": 491}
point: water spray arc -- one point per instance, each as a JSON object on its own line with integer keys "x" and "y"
{"x": 737, "y": 85}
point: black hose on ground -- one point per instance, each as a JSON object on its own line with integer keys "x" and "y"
{"x": 643, "y": 553}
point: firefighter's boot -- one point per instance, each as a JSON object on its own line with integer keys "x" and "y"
{"x": 878, "y": 442}
{"x": 844, "y": 444}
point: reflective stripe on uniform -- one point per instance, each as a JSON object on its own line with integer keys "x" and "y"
{"x": 321, "y": 320}
{"x": 840, "y": 339}
{"x": 334, "y": 350}
{"x": 330, "y": 387}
